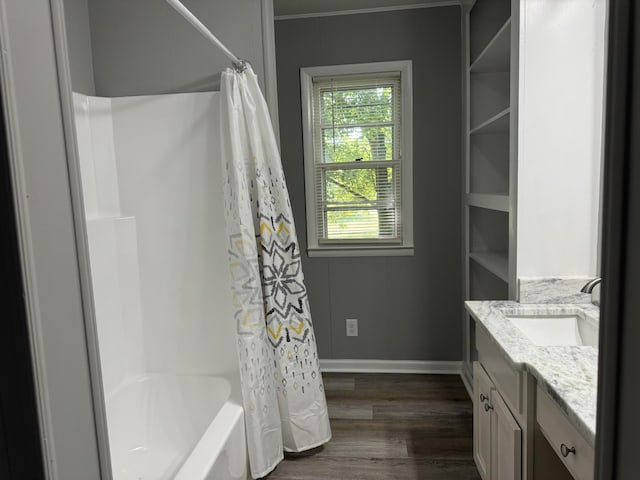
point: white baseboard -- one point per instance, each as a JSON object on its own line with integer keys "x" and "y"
{"x": 390, "y": 366}
{"x": 467, "y": 382}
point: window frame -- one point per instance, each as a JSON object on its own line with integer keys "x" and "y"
{"x": 354, "y": 247}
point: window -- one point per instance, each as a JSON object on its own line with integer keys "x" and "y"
{"x": 357, "y": 135}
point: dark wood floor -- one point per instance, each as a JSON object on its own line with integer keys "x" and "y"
{"x": 391, "y": 426}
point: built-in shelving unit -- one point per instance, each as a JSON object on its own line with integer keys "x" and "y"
{"x": 499, "y": 123}
{"x": 490, "y": 163}
{"x": 488, "y": 201}
{"x": 496, "y": 55}
{"x": 496, "y": 263}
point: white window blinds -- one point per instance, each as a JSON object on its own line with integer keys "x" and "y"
{"x": 357, "y": 159}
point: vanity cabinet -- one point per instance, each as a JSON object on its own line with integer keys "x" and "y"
{"x": 574, "y": 451}
{"x": 506, "y": 447}
{"x": 482, "y": 388}
{"x": 519, "y": 431}
{"x": 497, "y": 437}
{"x": 503, "y": 414}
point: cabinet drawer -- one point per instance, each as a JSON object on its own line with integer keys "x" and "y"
{"x": 507, "y": 379}
{"x": 558, "y": 430}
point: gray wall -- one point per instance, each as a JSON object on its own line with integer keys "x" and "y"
{"x": 76, "y": 14}
{"x": 145, "y": 47}
{"x": 408, "y": 307}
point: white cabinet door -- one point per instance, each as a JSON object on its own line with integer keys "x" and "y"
{"x": 506, "y": 442}
{"x": 482, "y": 389}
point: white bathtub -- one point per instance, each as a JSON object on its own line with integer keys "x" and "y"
{"x": 165, "y": 427}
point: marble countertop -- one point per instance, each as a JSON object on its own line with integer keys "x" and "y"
{"x": 568, "y": 373}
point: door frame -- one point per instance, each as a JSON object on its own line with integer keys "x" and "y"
{"x": 618, "y": 418}
{"x": 36, "y": 89}
{"x": 19, "y": 427}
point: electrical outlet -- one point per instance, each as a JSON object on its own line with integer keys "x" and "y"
{"x": 352, "y": 327}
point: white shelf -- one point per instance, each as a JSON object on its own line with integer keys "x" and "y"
{"x": 496, "y": 56}
{"x": 488, "y": 201}
{"x": 496, "y": 263}
{"x": 499, "y": 123}
{"x": 489, "y": 157}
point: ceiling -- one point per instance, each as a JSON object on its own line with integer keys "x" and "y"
{"x": 310, "y": 7}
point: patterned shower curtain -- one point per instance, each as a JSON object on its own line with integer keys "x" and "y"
{"x": 283, "y": 394}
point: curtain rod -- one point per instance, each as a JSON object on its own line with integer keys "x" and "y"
{"x": 193, "y": 20}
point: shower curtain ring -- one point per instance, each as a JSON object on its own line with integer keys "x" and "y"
{"x": 240, "y": 66}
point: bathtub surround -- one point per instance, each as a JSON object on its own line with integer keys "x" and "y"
{"x": 113, "y": 251}
{"x": 152, "y": 192}
{"x": 553, "y": 290}
{"x": 147, "y": 161}
{"x": 285, "y": 405}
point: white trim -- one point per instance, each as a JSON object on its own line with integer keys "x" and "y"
{"x": 40, "y": 255}
{"x": 27, "y": 260}
{"x": 466, "y": 380}
{"x": 307, "y": 75}
{"x": 361, "y": 252}
{"x": 296, "y": 16}
{"x": 270, "y": 72}
{"x": 390, "y": 366}
{"x": 80, "y": 227}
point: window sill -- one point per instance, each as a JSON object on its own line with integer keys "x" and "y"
{"x": 376, "y": 251}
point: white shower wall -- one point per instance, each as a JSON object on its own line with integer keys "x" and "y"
{"x": 151, "y": 175}
{"x": 112, "y": 247}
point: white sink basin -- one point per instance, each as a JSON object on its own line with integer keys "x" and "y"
{"x": 557, "y": 329}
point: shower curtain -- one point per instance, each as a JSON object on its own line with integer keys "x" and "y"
{"x": 283, "y": 394}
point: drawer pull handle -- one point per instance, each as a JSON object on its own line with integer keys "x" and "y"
{"x": 483, "y": 398}
{"x": 566, "y": 450}
{"x": 487, "y": 407}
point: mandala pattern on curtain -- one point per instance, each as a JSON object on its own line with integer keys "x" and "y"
{"x": 283, "y": 393}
